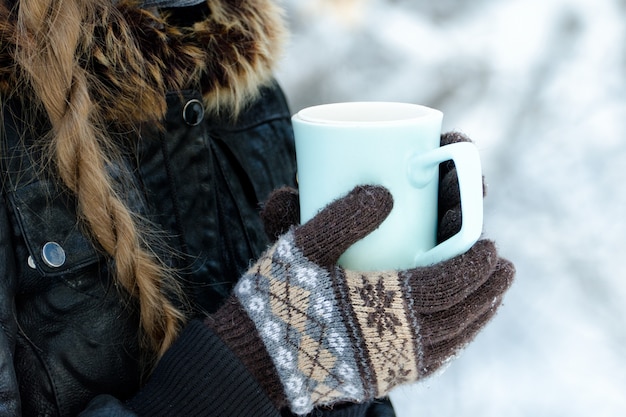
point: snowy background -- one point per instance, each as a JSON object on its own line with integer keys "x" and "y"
{"x": 540, "y": 86}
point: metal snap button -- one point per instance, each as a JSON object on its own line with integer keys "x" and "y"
{"x": 31, "y": 263}
{"x": 193, "y": 112}
{"x": 53, "y": 254}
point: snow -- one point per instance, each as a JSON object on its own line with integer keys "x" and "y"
{"x": 540, "y": 86}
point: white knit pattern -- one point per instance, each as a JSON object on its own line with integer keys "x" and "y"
{"x": 293, "y": 305}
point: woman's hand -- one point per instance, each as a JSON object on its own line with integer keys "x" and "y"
{"x": 332, "y": 335}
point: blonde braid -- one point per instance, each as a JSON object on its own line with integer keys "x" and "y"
{"x": 52, "y": 33}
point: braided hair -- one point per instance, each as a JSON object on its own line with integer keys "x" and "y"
{"x": 51, "y": 36}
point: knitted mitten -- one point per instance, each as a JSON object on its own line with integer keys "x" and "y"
{"x": 315, "y": 334}
{"x": 280, "y": 211}
{"x": 450, "y": 217}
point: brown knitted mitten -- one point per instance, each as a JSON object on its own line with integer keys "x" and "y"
{"x": 316, "y": 334}
{"x": 450, "y": 216}
{"x": 280, "y": 212}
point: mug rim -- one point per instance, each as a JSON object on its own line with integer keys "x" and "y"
{"x": 365, "y": 113}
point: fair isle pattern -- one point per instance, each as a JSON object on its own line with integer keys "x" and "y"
{"x": 293, "y": 305}
{"x": 378, "y": 302}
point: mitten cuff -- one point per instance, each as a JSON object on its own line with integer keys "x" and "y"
{"x": 235, "y": 328}
{"x": 200, "y": 375}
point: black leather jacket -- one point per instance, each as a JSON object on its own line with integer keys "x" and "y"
{"x": 67, "y": 335}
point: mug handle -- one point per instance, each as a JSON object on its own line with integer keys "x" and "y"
{"x": 421, "y": 169}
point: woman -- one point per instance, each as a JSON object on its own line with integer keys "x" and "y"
{"x": 138, "y": 140}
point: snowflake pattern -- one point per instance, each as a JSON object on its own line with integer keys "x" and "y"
{"x": 375, "y": 296}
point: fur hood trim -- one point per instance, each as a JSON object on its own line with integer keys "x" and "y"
{"x": 134, "y": 56}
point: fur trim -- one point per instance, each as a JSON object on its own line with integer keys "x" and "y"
{"x": 134, "y": 56}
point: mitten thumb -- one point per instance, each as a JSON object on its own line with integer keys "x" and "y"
{"x": 325, "y": 237}
{"x": 280, "y": 211}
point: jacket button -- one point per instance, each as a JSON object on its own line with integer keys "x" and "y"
{"x": 193, "y": 112}
{"x": 31, "y": 263}
{"x": 53, "y": 255}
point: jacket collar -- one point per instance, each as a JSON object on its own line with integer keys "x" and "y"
{"x": 135, "y": 56}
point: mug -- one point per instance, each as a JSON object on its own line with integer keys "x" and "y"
{"x": 396, "y": 145}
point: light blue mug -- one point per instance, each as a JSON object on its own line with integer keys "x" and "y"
{"x": 396, "y": 145}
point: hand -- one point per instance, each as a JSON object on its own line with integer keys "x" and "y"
{"x": 280, "y": 211}
{"x": 316, "y": 334}
{"x": 450, "y": 217}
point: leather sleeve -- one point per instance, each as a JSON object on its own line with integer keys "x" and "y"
{"x": 9, "y": 391}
